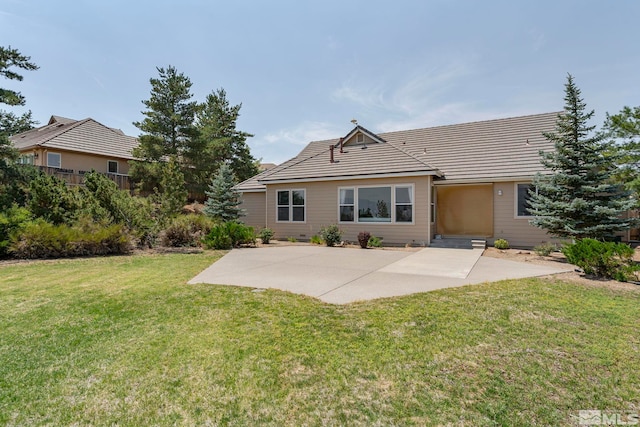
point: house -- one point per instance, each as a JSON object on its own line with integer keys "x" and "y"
{"x": 68, "y": 148}
{"x": 416, "y": 187}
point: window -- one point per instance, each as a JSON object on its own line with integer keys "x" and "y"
{"x": 384, "y": 204}
{"x": 290, "y": 206}
{"x": 374, "y": 204}
{"x": 54, "y": 160}
{"x": 360, "y": 138}
{"x": 404, "y": 204}
{"x": 347, "y": 204}
{"x": 26, "y": 159}
{"x": 522, "y": 199}
{"x": 112, "y": 166}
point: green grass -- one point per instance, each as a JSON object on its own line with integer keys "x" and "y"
{"x": 123, "y": 340}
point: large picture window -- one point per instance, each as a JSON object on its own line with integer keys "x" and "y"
{"x": 290, "y": 206}
{"x": 522, "y": 199}
{"x": 383, "y": 204}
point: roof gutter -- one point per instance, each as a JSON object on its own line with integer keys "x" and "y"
{"x": 349, "y": 177}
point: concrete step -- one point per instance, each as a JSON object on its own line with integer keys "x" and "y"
{"x": 459, "y": 243}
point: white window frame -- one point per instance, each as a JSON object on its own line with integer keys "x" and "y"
{"x": 117, "y": 166}
{"x": 515, "y": 199}
{"x": 360, "y": 138}
{"x": 59, "y": 160}
{"x": 393, "y": 221}
{"x": 291, "y": 206}
{"x": 26, "y": 159}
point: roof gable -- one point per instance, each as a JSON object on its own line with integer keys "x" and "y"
{"x": 360, "y": 136}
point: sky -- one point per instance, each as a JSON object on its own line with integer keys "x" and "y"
{"x": 302, "y": 70}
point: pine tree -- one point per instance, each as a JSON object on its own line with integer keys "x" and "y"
{"x": 222, "y": 199}
{"x": 173, "y": 194}
{"x": 578, "y": 199}
{"x": 168, "y": 127}
{"x": 13, "y": 179}
{"x": 624, "y": 127}
{"x": 219, "y": 141}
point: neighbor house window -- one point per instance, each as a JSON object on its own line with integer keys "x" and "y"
{"x": 347, "y": 204}
{"x": 26, "y": 159}
{"x": 382, "y": 204}
{"x": 522, "y": 199}
{"x": 291, "y": 206}
{"x": 112, "y": 166}
{"x": 54, "y": 160}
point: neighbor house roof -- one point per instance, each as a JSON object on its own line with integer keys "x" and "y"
{"x": 84, "y": 136}
{"x": 499, "y": 149}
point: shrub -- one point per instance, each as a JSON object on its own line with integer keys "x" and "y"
{"x": 186, "y": 231}
{"x": 41, "y": 239}
{"x": 501, "y": 244}
{"x": 544, "y": 249}
{"x": 265, "y": 235}
{"x": 331, "y": 235}
{"x": 12, "y": 221}
{"x": 50, "y": 198}
{"x": 292, "y": 239}
{"x": 363, "y": 239}
{"x": 375, "y": 242}
{"x": 316, "y": 240}
{"x": 602, "y": 259}
{"x": 229, "y": 235}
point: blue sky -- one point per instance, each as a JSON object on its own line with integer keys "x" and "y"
{"x": 302, "y": 70}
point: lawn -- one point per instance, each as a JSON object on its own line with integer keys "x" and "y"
{"x": 124, "y": 341}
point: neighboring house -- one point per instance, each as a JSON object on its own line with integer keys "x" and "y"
{"x": 467, "y": 180}
{"x": 69, "y": 148}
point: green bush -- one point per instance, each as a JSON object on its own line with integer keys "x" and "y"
{"x": 375, "y": 242}
{"x": 363, "y": 239}
{"x": 51, "y": 199}
{"x": 229, "y": 235}
{"x": 292, "y": 239}
{"x": 265, "y": 235}
{"x": 12, "y": 221}
{"x": 41, "y": 239}
{"x": 602, "y": 259}
{"x": 316, "y": 240}
{"x": 331, "y": 234}
{"x": 544, "y": 249}
{"x": 501, "y": 244}
{"x": 186, "y": 231}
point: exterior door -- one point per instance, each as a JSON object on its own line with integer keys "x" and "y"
{"x": 465, "y": 210}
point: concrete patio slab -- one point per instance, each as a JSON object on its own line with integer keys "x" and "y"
{"x": 344, "y": 275}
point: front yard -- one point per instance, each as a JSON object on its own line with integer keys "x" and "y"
{"x": 123, "y": 340}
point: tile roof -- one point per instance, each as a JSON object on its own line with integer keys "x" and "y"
{"x": 488, "y": 150}
{"x": 84, "y": 136}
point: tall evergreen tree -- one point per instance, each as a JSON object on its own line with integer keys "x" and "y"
{"x": 219, "y": 142}
{"x": 223, "y": 201}
{"x": 624, "y": 128}
{"x": 168, "y": 127}
{"x": 173, "y": 194}
{"x": 13, "y": 179}
{"x": 578, "y": 199}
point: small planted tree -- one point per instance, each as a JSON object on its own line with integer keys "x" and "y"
{"x": 223, "y": 201}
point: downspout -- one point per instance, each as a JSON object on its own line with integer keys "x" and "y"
{"x": 429, "y": 219}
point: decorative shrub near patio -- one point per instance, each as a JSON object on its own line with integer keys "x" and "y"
{"x": 603, "y": 259}
{"x": 186, "y": 230}
{"x": 375, "y": 242}
{"x": 229, "y": 235}
{"x": 331, "y": 234}
{"x": 501, "y": 244}
{"x": 544, "y": 249}
{"x": 363, "y": 239}
{"x": 316, "y": 240}
{"x": 265, "y": 235}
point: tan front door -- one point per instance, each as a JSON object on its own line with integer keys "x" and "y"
{"x": 465, "y": 210}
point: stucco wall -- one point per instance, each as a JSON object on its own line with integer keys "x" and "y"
{"x": 80, "y": 161}
{"x": 254, "y": 206}
{"x": 517, "y": 231}
{"x": 322, "y": 210}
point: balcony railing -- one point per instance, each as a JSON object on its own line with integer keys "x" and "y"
{"x": 72, "y": 177}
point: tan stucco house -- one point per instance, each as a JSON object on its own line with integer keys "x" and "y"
{"x": 68, "y": 148}
{"x": 409, "y": 187}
